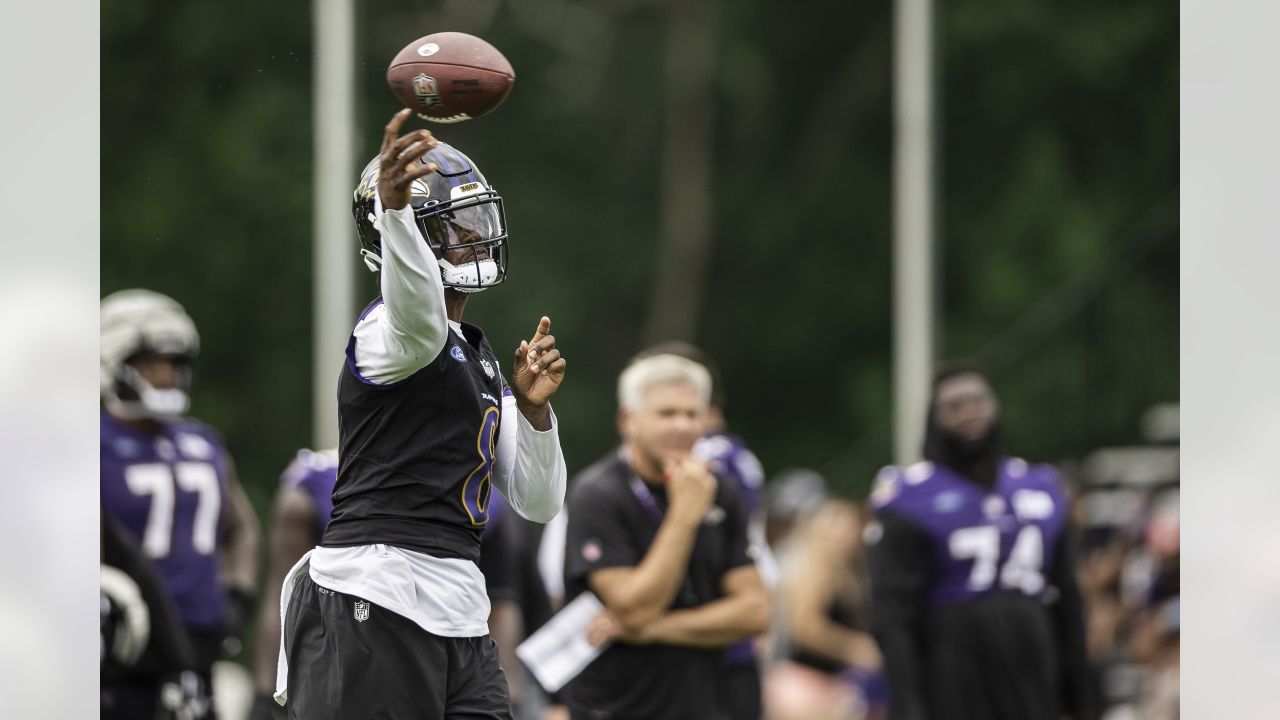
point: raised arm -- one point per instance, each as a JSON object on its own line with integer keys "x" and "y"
{"x": 410, "y": 327}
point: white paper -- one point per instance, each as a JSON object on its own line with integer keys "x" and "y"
{"x": 559, "y": 650}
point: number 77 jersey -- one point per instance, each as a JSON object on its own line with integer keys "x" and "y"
{"x": 984, "y": 541}
{"x": 168, "y": 490}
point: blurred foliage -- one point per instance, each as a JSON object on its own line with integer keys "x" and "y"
{"x": 1058, "y": 261}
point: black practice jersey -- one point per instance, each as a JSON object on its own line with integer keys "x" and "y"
{"x": 416, "y": 456}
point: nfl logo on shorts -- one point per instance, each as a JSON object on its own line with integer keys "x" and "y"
{"x": 362, "y": 611}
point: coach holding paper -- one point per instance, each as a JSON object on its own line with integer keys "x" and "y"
{"x": 664, "y": 546}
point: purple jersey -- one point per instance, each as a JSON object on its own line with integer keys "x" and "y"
{"x": 983, "y": 542}
{"x": 730, "y": 457}
{"x": 314, "y": 472}
{"x": 168, "y": 491}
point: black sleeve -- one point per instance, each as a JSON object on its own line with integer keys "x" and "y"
{"x": 1068, "y": 616}
{"x": 596, "y": 537}
{"x": 168, "y": 649}
{"x": 900, "y": 570}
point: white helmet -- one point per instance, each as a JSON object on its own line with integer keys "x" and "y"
{"x": 141, "y": 321}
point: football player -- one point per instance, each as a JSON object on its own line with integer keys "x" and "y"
{"x": 299, "y": 515}
{"x": 974, "y": 598}
{"x": 167, "y": 479}
{"x": 387, "y": 617}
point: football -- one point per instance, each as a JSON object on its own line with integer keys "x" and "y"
{"x": 449, "y": 77}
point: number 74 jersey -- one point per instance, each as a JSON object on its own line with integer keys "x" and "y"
{"x": 984, "y": 541}
{"x": 168, "y": 491}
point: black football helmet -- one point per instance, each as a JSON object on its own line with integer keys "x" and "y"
{"x": 455, "y": 208}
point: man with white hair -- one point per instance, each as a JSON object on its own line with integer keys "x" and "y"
{"x": 663, "y": 545}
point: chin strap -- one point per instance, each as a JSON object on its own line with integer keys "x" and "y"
{"x": 372, "y": 260}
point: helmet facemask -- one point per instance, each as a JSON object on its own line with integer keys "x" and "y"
{"x": 136, "y": 399}
{"x": 468, "y": 237}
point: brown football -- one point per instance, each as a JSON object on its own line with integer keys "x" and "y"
{"x": 449, "y": 77}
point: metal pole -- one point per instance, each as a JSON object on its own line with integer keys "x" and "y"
{"x": 333, "y": 282}
{"x": 913, "y": 215}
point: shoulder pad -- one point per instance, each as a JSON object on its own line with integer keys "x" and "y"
{"x": 1015, "y": 466}
{"x": 917, "y": 473}
{"x": 307, "y": 462}
{"x": 887, "y": 486}
{"x": 1044, "y": 472}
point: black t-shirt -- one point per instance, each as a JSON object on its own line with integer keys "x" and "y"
{"x": 609, "y": 526}
{"x": 416, "y": 456}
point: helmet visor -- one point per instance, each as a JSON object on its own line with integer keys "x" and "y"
{"x": 465, "y": 225}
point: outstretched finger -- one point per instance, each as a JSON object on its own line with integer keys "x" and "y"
{"x": 392, "y": 129}
{"x": 544, "y": 327}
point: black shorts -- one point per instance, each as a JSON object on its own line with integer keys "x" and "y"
{"x": 350, "y": 659}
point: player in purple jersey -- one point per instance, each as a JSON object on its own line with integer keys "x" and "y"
{"x": 974, "y": 596}
{"x": 298, "y": 518}
{"x": 167, "y": 479}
